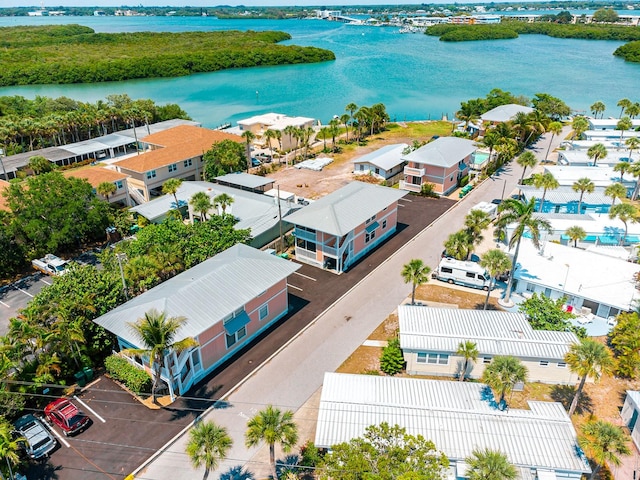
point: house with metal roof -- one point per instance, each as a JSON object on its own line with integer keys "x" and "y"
{"x": 565, "y": 199}
{"x": 255, "y": 211}
{"x": 504, "y": 113}
{"x": 430, "y": 337}
{"x": 630, "y": 412}
{"x": 441, "y": 163}
{"x": 610, "y": 123}
{"x": 246, "y": 181}
{"x": 592, "y": 283}
{"x": 97, "y": 175}
{"x": 384, "y": 163}
{"x": 259, "y": 124}
{"x": 458, "y": 417}
{"x": 340, "y": 228}
{"x": 577, "y": 156}
{"x": 227, "y": 300}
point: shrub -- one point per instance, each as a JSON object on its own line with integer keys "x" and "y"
{"x": 464, "y": 181}
{"x": 427, "y": 190}
{"x": 391, "y": 360}
{"x": 134, "y": 378}
{"x": 309, "y": 455}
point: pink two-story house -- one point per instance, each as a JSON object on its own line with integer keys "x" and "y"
{"x": 227, "y": 300}
{"x": 442, "y": 163}
{"x": 340, "y": 228}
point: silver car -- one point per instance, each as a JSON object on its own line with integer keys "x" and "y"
{"x": 38, "y": 440}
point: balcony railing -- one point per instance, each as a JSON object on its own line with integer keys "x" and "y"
{"x": 304, "y": 235}
{"x": 410, "y": 186}
{"x": 414, "y": 172}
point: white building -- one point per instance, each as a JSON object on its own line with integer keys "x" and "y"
{"x": 602, "y": 176}
{"x": 384, "y": 163}
{"x": 458, "y": 417}
{"x": 629, "y": 414}
{"x": 504, "y": 113}
{"x": 609, "y": 123}
{"x": 259, "y": 124}
{"x": 577, "y": 156}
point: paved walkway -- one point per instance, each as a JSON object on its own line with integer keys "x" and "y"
{"x": 292, "y": 378}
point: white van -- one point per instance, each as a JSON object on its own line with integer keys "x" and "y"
{"x": 469, "y": 274}
{"x": 490, "y": 209}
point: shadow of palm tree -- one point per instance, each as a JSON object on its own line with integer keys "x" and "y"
{"x": 565, "y": 393}
{"x": 288, "y": 464}
{"x": 237, "y": 473}
{"x": 490, "y": 306}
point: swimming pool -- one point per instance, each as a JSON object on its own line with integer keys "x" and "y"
{"x": 479, "y": 159}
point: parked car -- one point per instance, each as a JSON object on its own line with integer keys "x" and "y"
{"x": 38, "y": 441}
{"x": 255, "y": 162}
{"x": 66, "y": 416}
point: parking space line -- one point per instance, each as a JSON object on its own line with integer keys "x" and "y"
{"x": 4, "y": 304}
{"x": 62, "y": 440}
{"x": 25, "y": 292}
{"x": 305, "y": 276}
{"x": 44, "y": 281}
{"x": 90, "y": 409}
{"x": 405, "y": 200}
{"x": 293, "y": 286}
{"x": 400, "y": 205}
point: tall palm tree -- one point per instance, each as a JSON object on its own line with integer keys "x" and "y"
{"x": 632, "y": 143}
{"x": 249, "y": 137}
{"x": 157, "y": 333}
{"x": 503, "y": 373}
{"x": 458, "y": 245}
{"x": 546, "y": 181}
{"x": 487, "y": 464}
{"x": 324, "y": 133}
{"x": 556, "y": 129}
{"x": 334, "y": 130}
{"x": 596, "y": 152}
{"x": 588, "y": 358}
{"x": 615, "y": 191}
{"x": 208, "y": 445}
{"x": 625, "y": 212}
{"x": 289, "y": 131}
{"x": 597, "y": 108}
{"x": 635, "y": 171}
{"x": 469, "y": 351}
{"x": 269, "y": 136}
{"x": 491, "y": 140}
{"x": 416, "y": 273}
{"x": 583, "y": 185}
{"x": 604, "y": 443}
{"x": 9, "y": 445}
{"x": 344, "y": 119}
{"x": 475, "y": 222}
{"x": 522, "y": 214}
{"x": 223, "y": 201}
{"x": 272, "y": 426}
{"x": 106, "y": 189}
{"x": 575, "y": 233}
{"x": 467, "y": 114}
{"x": 633, "y": 110}
{"x": 527, "y": 159}
{"x": 171, "y": 187}
{"x": 351, "y": 108}
{"x": 623, "y": 167}
{"x": 623, "y": 125}
{"x": 579, "y": 125}
{"x": 201, "y": 204}
{"x": 495, "y": 262}
{"x": 623, "y": 103}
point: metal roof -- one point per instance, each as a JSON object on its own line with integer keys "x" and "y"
{"x": 495, "y": 333}
{"x": 442, "y": 152}
{"x": 204, "y": 294}
{"x": 386, "y": 157}
{"x": 504, "y": 113}
{"x": 566, "y": 194}
{"x": 634, "y": 395}
{"x": 343, "y": 210}
{"x": 457, "y": 416}
{"x": 243, "y": 179}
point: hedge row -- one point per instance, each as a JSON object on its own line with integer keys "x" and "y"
{"x": 134, "y": 378}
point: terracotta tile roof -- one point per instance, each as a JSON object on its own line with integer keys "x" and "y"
{"x": 180, "y": 143}
{"x": 3, "y": 201}
{"x": 96, "y": 175}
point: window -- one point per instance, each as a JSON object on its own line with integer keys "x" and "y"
{"x": 368, "y": 236}
{"x": 234, "y": 338}
{"x": 416, "y": 180}
{"x": 305, "y": 245}
{"x": 470, "y": 275}
{"x": 544, "y": 363}
{"x": 562, "y": 365}
{"x": 361, "y": 167}
{"x": 119, "y": 184}
{"x": 422, "y": 357}
{"x": 369, "y": 220}
{"x": 446, "y": 270}
{"x": 151, "y": 174}
{"x": 384, "y": 224}
{"x": 264, "y": 311}
{"x": 437, "y": 358}
{"x": 377, "y": 171}
{"x": 531, "y": 287}
{"x": 173, "y": 167}
{"x": 486, "y": 360}
{"x": 188, "y": 163}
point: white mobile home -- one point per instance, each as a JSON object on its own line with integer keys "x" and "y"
{"x": 468, "y": 274}
{"x": 629, "y": 414}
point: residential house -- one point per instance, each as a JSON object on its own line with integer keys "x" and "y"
{"x": 228, "y": 300}
{"x": 430, "y": 337}
{"x": 384, "y": 163}
{"x": 173, "y": 153}
{"x": 577, "y": 156}
{"x": 504, "y": 113}
{"x": 340, "y": 228}
{"x": 97, "y": 175}
{"x": 259, "y": 124}
{"x": 609, "y": 123}
{"x": 246, "y": 181}
{"x": 590, "y": 282}
{"x": 442, "y": 163}
{"x": 565, "y": 200}
{"x": 629, "y": 414}
{"x": 257, "y": 212}
{"x": 459, "y": 417}
{"x": 617, "y": 137}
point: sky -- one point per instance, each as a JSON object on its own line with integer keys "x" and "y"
{"x": 212, "y": 3}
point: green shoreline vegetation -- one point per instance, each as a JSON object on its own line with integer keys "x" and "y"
{"x": 76, "y": 54}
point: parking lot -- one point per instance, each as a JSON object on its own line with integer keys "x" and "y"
{"x": 131, "y": 433}
{"x": 17, "y": 295}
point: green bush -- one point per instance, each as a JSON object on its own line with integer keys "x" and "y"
{"x": 134, "y": 378}
{"x": 464, "y": 181}
{"x": 391, "y": 360}
{"x": 427, "y": 190}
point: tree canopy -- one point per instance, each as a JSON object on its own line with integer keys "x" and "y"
{"x": 545, "y": 313}
{"x": 224, "y": 157}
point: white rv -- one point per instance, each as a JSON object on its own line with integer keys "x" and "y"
{"x": 469, "y": 274}
{"x": 490, "y": 209}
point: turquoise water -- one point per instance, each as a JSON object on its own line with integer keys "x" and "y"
{"x": 415, "y": 76}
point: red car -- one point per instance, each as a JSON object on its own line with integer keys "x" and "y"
{"x": 66, "y": 415}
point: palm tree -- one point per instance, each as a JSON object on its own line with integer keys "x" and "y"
{"x": 249, "y": 137}
{"x": 623, "y": 103}
{"x": 269, "y": 136}
{"x": 527, "y": 159}
{"x": 489, "y": 464}
{"x": 475, "y": 222}
{"x": 615, "y": 191}
{"x": 623, "y": 124}
{"x": 556, "y": 129}
{"x": 171, "y": 187}
{"x": 469, "y": 351}
{"x": 588, "y": 358}
{"x": 208, "y": 445}
{"x": 582, "y": 185}
{"x": 491, "y": 140}
{"x": 546, "y": 181}
{"x": 458, "y": 245}
{"x": 633, "y": 110}
{"x": 324, "y": 133}
{"x": 604, "y": 442}
{"x": 597, "y": 108}
{"x": 9, "y": 445}
{"x": 106, "y": 189}
{"x": 416, "y": 273}
{"x": 272, "y": 426}
{"x": 290, "y": 130}
{"x": 157, "y": 332}
{"x": 467, "y": 114}
{"x": 633, "y": 143}
{"x": 522, "y": 214}
{"x": 596, "y": 152}
{"x": 623, "y": 167}
{"x": 575, "y": 233}
{"x": 503, "y": 373}
{"x": 223, "y": 201}
{"x": 201, "y": 204}
{"x": 635, "y": 171}
{"x": 351, "y": 108}
{"x": 625, "y": 212}
{"x": 40, "y": 164}
{"x": 495, "y": 262}
{"x": 344, "y": 119}
{"x": 579, "y": 125}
